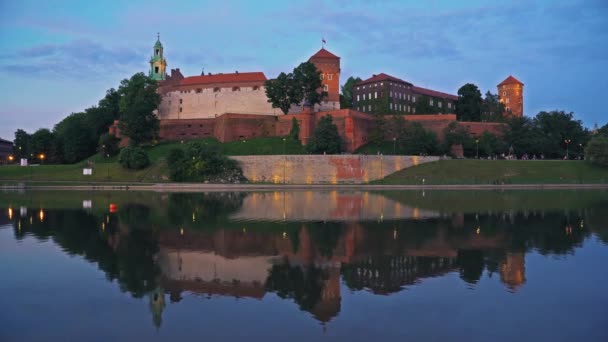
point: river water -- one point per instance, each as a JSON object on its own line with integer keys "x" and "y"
{"x": 304, "y": 265}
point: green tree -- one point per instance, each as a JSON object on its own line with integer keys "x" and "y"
{"x": 282, "y": 92}
{"x": 108, "y": 145}
{"x": 414, "y": 140}
{"x": 75, "y": 138}
{"x": 492, "y": 110}
{"x": 597, "y": 150}
{"x": 454, "y": 134}
{"x": 561, "y": 132}
{"x": 308, "y": 79}
{"x": 346, "y": 98}
{"x": 294, "y": 132}
{"x": 138, "y": 101}
{"x": 377, "y": 136}
{"x": 43, "y": 142}
{"x": 490, "y": 145}
{"x": 325, "y": 138}
{"x": 21, "y": 145}
{"x": 468, "y": 106}
{"x": 603, "y": 130}
{"x": 133, "y": 158}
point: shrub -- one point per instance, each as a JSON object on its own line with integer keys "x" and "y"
{"x": 325, "y": 138}
{"x": 597, "y": 150}
{"x": 133, "y": 158}
{"x": 108, "y": 145}
{"x": 202, "y": 162}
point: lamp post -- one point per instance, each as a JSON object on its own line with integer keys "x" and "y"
{"x": 477, "y": 148}
{"x": 394, "y": 145}
{"x": 284, "y": 160}
{"x": 108, "y": 165}
{"x": 41, "y": 156}
{"x": 582, "y": 151}
{"x": 567, "y": 141}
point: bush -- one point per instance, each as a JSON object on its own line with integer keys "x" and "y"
{"x": 202, "y": 162}
{"x": 133, "y": 158}
{"x": 597, "y": 150}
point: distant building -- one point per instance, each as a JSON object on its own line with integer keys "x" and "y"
{"x": 6, "y": 149}
{"x": 385, "y": 94}
{"x": 511, "y": 95}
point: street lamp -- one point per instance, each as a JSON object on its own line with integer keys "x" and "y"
{"x": 41, "y": 156}
{"x": 477, "y": 146}
{"x": 394, "y": 145}
{"x": 567, "y": 141}
{"x": 11, "y": 158}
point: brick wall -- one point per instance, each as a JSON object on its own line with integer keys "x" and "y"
{"x": 324, "y": 169}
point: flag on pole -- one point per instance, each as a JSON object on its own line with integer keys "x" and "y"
{"x": 323, "y": 40}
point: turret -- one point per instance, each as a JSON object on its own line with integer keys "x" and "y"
{"x": 158, "y": 64}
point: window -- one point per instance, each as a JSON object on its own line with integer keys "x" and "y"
{"x": 236, "y": 88}
{"x": 504, "y": 93}
{"x": 413, "y": 99}
{"x": 449, "y": 105}
{"x": 330, "y": 76}
{"x": 326, "y": 88}
{"x": 180, "y": 101}
{"x": 375, "y": 94}
{"x": 216, "y": 90}
{"x": 408, "y": 109}
{"x": 431, "y": 102}
{"x": 322, "y": 78}
{"x": 369, "y": 108}
{"x": 180, "y": 109}
{"x": 157, "y": 51}
{"x": 363, "y": 96}
{"x": 391, "y": 106}
{"x": 369, "y": 96}
{"x": 199, "y": 90}
{"x": 156, "y": 70}
{"x": 256, "y": 87}
{"x": 439, "y": 104}
{"x": 357, "y": 97}
{"x": 414, "y": 110}
{"x": 391, "y": 93}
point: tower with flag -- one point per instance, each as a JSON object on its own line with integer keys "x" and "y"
{"x": 329, "y": 65}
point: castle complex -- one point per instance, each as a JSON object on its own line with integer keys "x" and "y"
{"x": 234, "y": 106}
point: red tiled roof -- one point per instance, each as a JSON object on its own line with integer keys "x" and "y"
{"x": 434, "y": 93}
{"x": 324, "y": 54}
{"x": 224, "y": 78}
{"x": 382, "y": 77}
{"x": 510, "y": 80}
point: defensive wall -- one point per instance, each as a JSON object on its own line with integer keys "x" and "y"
{"x": 324, "y": 169}
{"x": 354, "y": 127}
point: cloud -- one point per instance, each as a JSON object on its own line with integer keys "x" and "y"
{"x": 76, "y": 59}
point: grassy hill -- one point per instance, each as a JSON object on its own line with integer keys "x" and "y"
{"x": 499, "y": 172}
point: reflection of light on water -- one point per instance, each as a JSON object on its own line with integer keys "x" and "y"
{"x": 478, "y": 230}
{"x": 10, "y": 213}
{"x": 103, "y": 226}
{"x": 395, "y": 234}
{"x": 41, "y": 215}
{"x": 284, "y": 235}
{"x": 416, "y": 213}
{"x": 193, "y": 217}
{"x": 181, "y": 231}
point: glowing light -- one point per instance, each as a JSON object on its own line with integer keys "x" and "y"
{"x": 11, "y": 158}
{"x": 244, "y": 230}
{"x": 10, "y": 213}
{"x": 103, "y": 226}
{"x": 108, "y": 219}
{"x": 31, "y": 219}
{"x": 41, "y": 215}
{"x": 181, "y": 231}
{"x": 582, "y": 224}
{"x": 42, "y": 156}
{"x": 478, "y": 230}
{"x": 395, "y": 234}
{"x": 284, "y": 235}
{"x": 193, "y": 217}
{"x": 113, "y": 208}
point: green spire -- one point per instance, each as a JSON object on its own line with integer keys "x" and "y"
{"x": 158, "y": 64}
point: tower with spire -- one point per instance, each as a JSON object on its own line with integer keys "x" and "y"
{"x": 158, "y": 64}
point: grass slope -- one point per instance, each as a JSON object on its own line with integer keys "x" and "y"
{"x": 108, "y": 169}
{"x": 499, "y": 172}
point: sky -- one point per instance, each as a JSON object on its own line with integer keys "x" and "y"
{"x": 59, "y": 57}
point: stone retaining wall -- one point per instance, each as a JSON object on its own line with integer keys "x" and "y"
{"x": 324, "y": 169}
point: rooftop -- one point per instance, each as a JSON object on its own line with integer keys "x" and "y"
{"x": 434, "y": 93}
{"x": 510, "y": 80}
{"x": 383, "y": 77}
{"x": 324, "y": 54}
{"x": 225, "y": 78}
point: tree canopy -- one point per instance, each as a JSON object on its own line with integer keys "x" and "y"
{"x": 346, "y": 98}
{"x": 492, "y": 110}
{"x": 468, "y": 107}
{"x": 325, "y": 138}
{"x": 138, "y": 101}
{"x": 303, "y": 84}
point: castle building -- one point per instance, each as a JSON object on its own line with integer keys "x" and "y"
{"x": 386, "y": 94}
{"x": 511, "y": 95}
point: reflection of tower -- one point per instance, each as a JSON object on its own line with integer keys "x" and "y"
{"x": 328, "y": 306}
{"x": 513, "y": 270}
{"x": 157, "y": 305}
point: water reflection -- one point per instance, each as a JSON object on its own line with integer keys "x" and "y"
{"x": 300, "y": 246}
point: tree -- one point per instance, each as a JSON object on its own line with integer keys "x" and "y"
{"x": 303, "y": 84}
{"x": 22, "y": 144}
{"x": 523, "y": 136}
{"x": 561, "y": 133}
{"x": 133, "y": 158}
{"x": 377, "y": 135}
{"x": 597, "y": 150}
{"x": 108, "y": 145}
{"x": 294, "y": 132}
{"x": 75, "y": 138}
{"x": 492, "y": 110}
{"x": 468, "y": 106}
{"x": 490, "y": 144}
{"x": 603, "y": 130}
{"x": 346, "y": 98}
{"x": 325, "y": 138}
{"x": 308, "y": 80}
{"x": 43, "y": 142}
{"x": 282, "y": 92}
{"x": 138, "y": 102}
{"x": 414, "y": 139}
{"x": 455, "y": 134}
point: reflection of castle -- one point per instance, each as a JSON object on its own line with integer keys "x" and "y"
{"x": 306, "y": 265}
